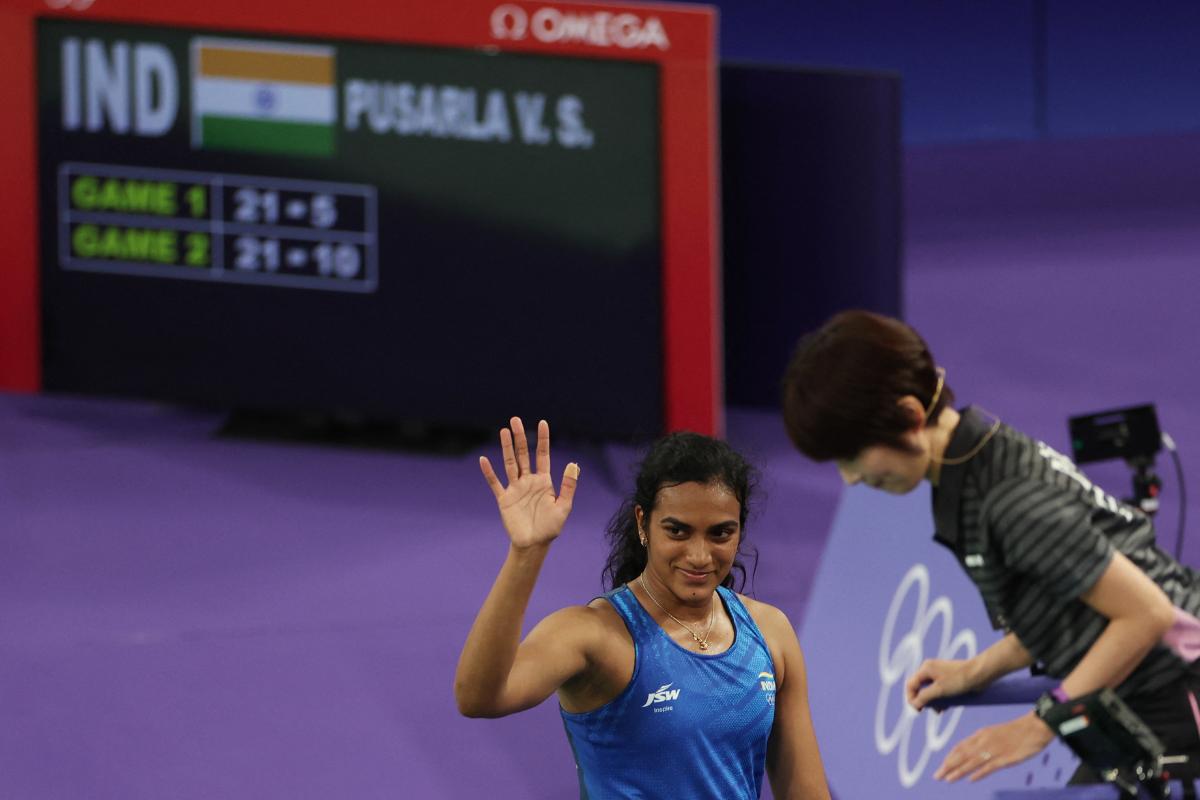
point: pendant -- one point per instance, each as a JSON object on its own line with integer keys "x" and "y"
{"x": 703, "y": 644}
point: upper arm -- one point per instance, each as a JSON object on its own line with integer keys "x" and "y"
{"x": 555, "y": 651}
{"x": 793, "y": 758}
{"x": 1047, "y": 531}
{"x": 1124, "y": 591}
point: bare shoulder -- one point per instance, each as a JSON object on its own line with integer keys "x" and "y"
{"x": 778, "y": 633}
{"x": 591, "y": 619}
{"x": 585, "y": 630}
{"x": 591, "y": 624}
{"x": 602, "y": 613}
{"x": 613, "y": 650}
{"x": 769, "y": 619}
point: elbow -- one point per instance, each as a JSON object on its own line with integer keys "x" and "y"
{"x": 470, "y": 710}
{"x": 474, "y": 710}
{"x": 472, "y": 706}
{"x": 467, "y": 706}
{"x": 1162, "y": 618}
{"x": 478, "y": 712}
{"x": 1152, "y": 622}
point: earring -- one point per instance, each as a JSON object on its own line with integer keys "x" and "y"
{"x": 642, "y": 537}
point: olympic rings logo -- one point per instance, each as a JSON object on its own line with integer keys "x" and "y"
{"x": 900, "y": 659}
{"x": 74, "y": 5}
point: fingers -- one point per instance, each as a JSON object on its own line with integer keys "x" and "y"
{"x": 959, "y": 758}
{"x": 489, "y": 475}
{"x": 968, "y": 758}
{"x": 972, "y": 766}
{"x": 506, "y": 452}
{"x": 543, "y": 448}
{"x": 569, "y": 482}
{"x": 514, "y": 447}
{"x": 990, "y": 765}
{"x": 976, "y": 757}
{"x": 929, "y": 691}
{"x": 521, "y": 443}
{"x": 919, "y": 689}
{"x": 994, "y": 748}
{"x": 912, "y": 687}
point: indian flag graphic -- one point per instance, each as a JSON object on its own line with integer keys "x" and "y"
{"x": 263, "y": 97}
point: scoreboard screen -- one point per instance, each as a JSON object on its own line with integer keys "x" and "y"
{"x": 191, "y": 225}
{"x": 310, "y": 217}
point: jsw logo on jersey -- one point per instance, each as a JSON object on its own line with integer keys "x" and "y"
{"x": 664, "y": 694}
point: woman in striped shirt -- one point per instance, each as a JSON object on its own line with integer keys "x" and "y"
{"x": 1070, "y": 575}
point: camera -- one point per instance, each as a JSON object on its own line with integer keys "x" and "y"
{"x": 1111, "y": 739}
{"x": 1129, "y": 433}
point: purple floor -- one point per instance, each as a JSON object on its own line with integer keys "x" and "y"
{"x": 184, "y": 616}
{"x": 191, "y": 617}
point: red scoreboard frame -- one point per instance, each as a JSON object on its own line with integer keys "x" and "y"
{"x": 680, "y": 39}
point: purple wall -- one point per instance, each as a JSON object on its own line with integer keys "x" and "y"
{"x": 994, "y": 69}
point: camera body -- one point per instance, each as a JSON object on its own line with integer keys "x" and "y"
{"x": 1110, "y": 738}
{"x": 1131, "y": 434}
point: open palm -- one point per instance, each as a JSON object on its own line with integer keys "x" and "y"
{"x": 532, "y": 513}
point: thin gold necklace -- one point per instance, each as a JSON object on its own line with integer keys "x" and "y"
{"x": 702, "y": 641}
{"x": 983, "y": 440}
{"x": 987, "y": 437}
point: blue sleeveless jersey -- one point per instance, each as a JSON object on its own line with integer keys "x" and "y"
{"x": 688, "y": 725}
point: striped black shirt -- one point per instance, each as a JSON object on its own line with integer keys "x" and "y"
{"x": 1033, "y": 534}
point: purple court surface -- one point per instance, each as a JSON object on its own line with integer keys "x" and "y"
{"x": 189, "y": 616}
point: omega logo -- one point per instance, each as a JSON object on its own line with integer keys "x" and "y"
{"x": 596, "y": 28}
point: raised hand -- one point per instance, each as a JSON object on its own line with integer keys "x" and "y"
{"x": 532, "y": 514}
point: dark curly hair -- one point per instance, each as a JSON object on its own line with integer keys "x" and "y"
{"x": 674, "y": 459}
